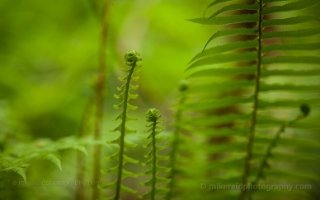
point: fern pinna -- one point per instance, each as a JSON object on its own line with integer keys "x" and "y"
{"x": 153, "y": 115}
{"x": 133, "y": 60}
{"x": 249, "y": 78}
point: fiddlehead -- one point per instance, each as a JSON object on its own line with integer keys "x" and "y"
{"x": 305, "y": 110}
{"x": 153, "y": 115}
{"x": 132, "y": 60}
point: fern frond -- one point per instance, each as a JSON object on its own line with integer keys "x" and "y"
{"x": 16, "y": 159}
{"x": 54, "y": 158}
{"x": 153, "y": 115}
{"x": 132, "y": 59}
{"x": 264, "y": 162}
{"x": 233, "y": 103}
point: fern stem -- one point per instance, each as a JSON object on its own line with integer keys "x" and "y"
{"x": 174, "y": 150}
{"x": 100, "y": 86}
{"x": 304, "y": 112}
{"x": 268, "y": 154}
{"x": 123, "y": 130}
{"x": 247, "y": 165}
{"x": 154, "y": 161}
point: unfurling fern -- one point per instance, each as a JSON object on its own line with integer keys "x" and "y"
{"x": 132, "y": 59}
{"x": 249, "y": 78}
{"x": 180, "y": 143}
{"x": 157, "y": 190}
{"x": 273, "y": 143}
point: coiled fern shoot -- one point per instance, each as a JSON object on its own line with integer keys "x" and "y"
{"x": 153, "y": 115}
{"x": 132, "y": 59}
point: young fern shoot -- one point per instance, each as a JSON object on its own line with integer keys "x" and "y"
{"x": 132, "y": 59}
{"x": 176, "y": 142}
{"x": 305, "y": 110}
{"x": 153, "y": 115}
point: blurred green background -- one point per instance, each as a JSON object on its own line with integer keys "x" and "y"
{"x": 49, "y": 57}
{"x": 49, "y": 52}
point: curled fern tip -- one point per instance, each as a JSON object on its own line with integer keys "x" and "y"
{"x": 183, "y": 85}
{"x": 152, "y": 115}
{"x": 305, "y": 109}
{"x": 131, "y": 57}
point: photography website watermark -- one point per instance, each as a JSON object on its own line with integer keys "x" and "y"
{"x": 57, "y": 183}
{"x": 266, "y": 187}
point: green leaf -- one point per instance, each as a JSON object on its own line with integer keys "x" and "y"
{"x": 127, "y": 159}
{"x": 292, "y": 59}
{"x": 81, "y": 148}
{"x": 127, "y": 189}
{"x": 289, "y": 87}
{"x": 112, "y": 169}
{"x": 292, "y": 33}
{"x": 291, "y": 47}
{"x": 126, "y": 174}
{"x": 292, "y": 174}
{"x": 290, "y": 20}
{"x": 221, "y": 86}
{"x": 289, "y": 103}
{"x": 233, "y": 19}
{"x": 216, "y": 103}
{"x": 211, "y": 120}
{"x": 18, "y": 170}
{"x": 292, "y": 6}
{"x": 225, "y": 48}
{"x": 233, "y": 7}
{"x": 230, "y": 32}
{"x": 290, "y": 72}
{"x": 222, "y": 132}
{"x": 218, "y": 72}
{"x": 216, "y": 2}
{"x": 271, "y": 1}
{"x": 224, "y": 58}
{"x": 54, "y": 158}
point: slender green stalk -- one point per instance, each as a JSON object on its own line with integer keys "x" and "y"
{"x": 153, "y": 115}
{"x": 175, "y": 143}
{"x": 154, "y": 161}
{"x": 304, "y": 112}
{"x": 123, "y": 131}
{"x": 248, "y": 158}
{"x": 131, "y": 60}
{"x": 100, "y": 86}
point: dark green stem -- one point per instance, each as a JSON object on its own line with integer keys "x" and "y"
{"x": 268, "y": 154}
{"x": 123, "y": 131}
{"x": 174, "y": 151}
{"x": 154, "y": 161}
{"x": 272, "y": 144}
{"x": 247, "y": 166}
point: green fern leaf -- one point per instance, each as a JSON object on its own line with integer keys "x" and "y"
{"x": 231, "y": 32}
{"x": 54, "y": 158}
{"x": 290, "y": 21}
{"x": 292, "y": 33}
{"x": 301, "y": 4}
{"x": 226, "y": 20}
